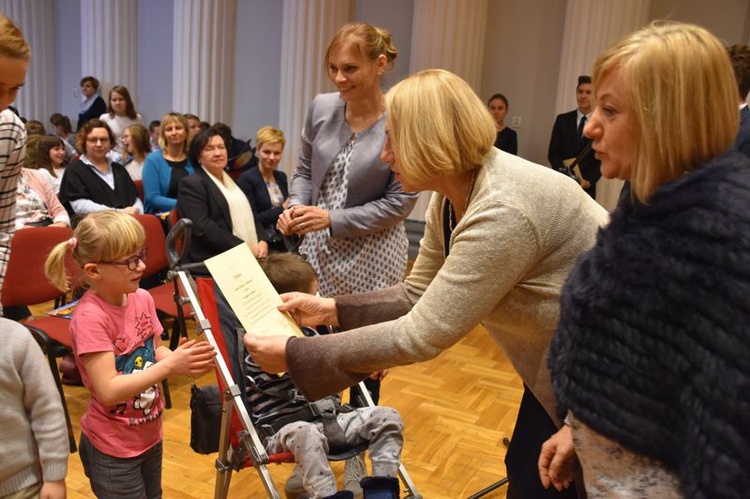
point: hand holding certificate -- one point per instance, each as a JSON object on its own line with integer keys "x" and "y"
{"x": 250, "y": 294}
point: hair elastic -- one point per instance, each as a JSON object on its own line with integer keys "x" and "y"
{"x": 72, "y": 243}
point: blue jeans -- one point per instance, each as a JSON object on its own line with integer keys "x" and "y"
{"x": 117, "y": 477}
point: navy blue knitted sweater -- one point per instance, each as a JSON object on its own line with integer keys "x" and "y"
{"x": 653, "y": 346}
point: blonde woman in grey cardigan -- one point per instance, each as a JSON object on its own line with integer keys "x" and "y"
{"x": 501, "y": 236}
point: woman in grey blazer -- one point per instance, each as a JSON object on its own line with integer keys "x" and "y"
{"x": 344, "y": 200}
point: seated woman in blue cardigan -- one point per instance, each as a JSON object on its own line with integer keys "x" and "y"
{"x": 164, "y": 168}
{"x": 265, "y": 186}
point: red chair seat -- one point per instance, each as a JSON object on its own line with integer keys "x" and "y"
{"x": 57, "y": 328}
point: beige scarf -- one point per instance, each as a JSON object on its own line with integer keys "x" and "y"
{"x": 243, "y": 221}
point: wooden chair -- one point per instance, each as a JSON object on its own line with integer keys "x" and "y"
{"x": 26, "y": 284}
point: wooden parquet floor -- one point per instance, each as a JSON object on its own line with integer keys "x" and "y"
{"x": 457, "y": 408}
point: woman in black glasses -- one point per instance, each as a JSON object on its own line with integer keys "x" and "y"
{"x": 94, "y": 183}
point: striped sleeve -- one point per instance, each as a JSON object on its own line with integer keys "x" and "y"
{"x": 12, "y": 149}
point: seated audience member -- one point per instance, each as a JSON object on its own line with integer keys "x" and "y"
{"x": 204, "y": 125}
{"x": 265, "y": 186}
{"x": 92, "y": 105}
{"x": 222, "y": 219}
{"x": 93, "y": 182}
{"x": 221, "y": 214}
{"x": 568, "y": 141}
{"x": 36, "y": 206}
{"x": 740, "y": 57}
{"x": 164, "y": 168}
{"x": 136, "y": 145}
{"x": 36, "y": 202}
{"x": 507, "y": 139}
{"x": 35, "y": 127}
{"x": 120, "y": 115}
{"x": 194, "y": 125}
{"x": 51, "y": 160}
{"x": 32, "y": 146}
{"x": 274, "y": 406}
{"x": 64, "y": 130}
{"x": 34, "y": 133}
{"x": 153, "y": 134}
{"x": 237, "y": 161}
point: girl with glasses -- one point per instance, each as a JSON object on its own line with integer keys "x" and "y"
{"x": 116, "y": 343}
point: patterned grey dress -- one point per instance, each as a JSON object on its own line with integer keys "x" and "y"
{"x": 357, "y": 264}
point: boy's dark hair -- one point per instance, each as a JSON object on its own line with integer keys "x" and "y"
{"x": 583, "y": 79}
{"x": 288, "y": 272}
{"x": 740, "y": 57}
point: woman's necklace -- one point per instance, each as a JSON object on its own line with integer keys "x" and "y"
{"x": 452, "y": 220}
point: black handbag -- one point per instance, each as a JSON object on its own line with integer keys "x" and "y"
{"x": 205, "y": 418}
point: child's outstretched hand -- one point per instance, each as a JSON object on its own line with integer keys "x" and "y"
{"x": 192, "y": 357}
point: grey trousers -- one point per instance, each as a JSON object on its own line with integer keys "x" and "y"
{"x": 381, "y": 426}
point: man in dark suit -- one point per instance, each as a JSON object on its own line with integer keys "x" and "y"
{"x": 568, "y": 141}
{"x": 740, "y": 57}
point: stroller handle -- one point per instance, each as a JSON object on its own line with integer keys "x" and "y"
{"x": 182, "y": 230}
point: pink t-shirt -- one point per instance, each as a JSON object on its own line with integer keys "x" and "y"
{"x": 134, "y": 426}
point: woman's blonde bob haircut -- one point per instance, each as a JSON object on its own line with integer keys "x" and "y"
{"x": 102, "y": 236}
{"x": 438, "y": 125}
{"x": 269, "y": 135}
{"x": 681, "y": 88}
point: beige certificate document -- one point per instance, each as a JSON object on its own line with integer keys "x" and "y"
{"x": 250, "y": 294}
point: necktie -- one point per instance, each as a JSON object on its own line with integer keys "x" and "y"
{"x": 581, "y": 125}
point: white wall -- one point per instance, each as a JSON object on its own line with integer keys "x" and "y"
{"x": 522, "y": 55}
{"x": 522, "y": 60}
{"x": 727, "y": 19}
{"x": 396, "y": 16}
{"x": 257, "y": 66}
{"x": 155, "y": 35}
{"x": 68, "y": 56}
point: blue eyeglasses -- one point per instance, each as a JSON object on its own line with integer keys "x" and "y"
{"x": 132, "y": 262}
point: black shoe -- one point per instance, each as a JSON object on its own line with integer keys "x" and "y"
{"x": 380, "y": 487}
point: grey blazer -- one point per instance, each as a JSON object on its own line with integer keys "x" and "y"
{"x": 374, "y": 200}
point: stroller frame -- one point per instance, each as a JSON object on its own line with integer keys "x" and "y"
{"x": 250, "y": 445}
